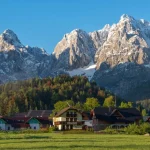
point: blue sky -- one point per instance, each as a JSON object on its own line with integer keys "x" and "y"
{"x": 43, "y": 23}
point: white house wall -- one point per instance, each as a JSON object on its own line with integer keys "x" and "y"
{"x": 9, "y": 126}
{"x": 88, "y": 123}
{"x": 4, "y": 126}
{"x": 60, "y": 127}
{"x": 35, "y": 125}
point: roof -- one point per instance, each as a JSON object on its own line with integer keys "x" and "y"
{"x": 103, "y": 110}
{"x": 64, "y": 110}
{"x": 39, "y": 113}
{"x": 129, "y": 114}
{"x": 20, "y": 125}
{"x": 20, "y": 119}
{"x": 44, "y": 121}
{"x": 41, "y": 120}
{"x": 34, "y": 113}
{"x": 126, "y": 112}
{"x": 23, "y": 114}
{"x": 7, "y": 120}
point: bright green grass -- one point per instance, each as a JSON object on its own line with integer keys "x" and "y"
{"x": 59, "y": 141}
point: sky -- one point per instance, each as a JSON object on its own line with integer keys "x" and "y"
{"x": 43, "y": 23}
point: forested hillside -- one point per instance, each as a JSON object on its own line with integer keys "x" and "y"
{"x": 44, "y": 93}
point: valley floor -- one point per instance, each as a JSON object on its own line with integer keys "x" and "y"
{"x": 44, "y": 141}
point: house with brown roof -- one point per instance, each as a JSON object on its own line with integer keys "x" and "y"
{"x": 67, "y": 119}
{"x": 114, "y": 117}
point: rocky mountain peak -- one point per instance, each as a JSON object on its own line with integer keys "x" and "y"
{"x": 106, "y": 28}
{"x": 126, "y": 17}
{"x": 127, "y": 41}
{"x": 9, "y": 41}
{"x": 10, "y": 37}
{"x": 75, "y": 50}
{"x": 99, "y": 37}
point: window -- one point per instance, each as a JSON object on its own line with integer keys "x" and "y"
{"x": 71, "y": 114}
{"x": 75, "y": 114}
{"x": 75, "y": 119}
{"x": 67, "y": 115}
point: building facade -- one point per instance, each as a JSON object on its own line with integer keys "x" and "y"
{"x": 114, "y": 117}
{"x": 68, "y": 119}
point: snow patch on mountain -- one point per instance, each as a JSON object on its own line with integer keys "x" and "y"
{"x": 87, "y": 71}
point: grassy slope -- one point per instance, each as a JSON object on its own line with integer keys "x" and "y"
{"x": 73, "y": 142}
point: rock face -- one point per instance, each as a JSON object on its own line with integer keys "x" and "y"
{"x": 99, "y": 37}
{"x": 75, "y": 50}
{"x": 118, "y": 54}
{"x": 124, "y": 58}
{"x": 9, "y": 41}
{"x": 127, "y": 41}
{"x": 129, "y": 81}
{"x": 19, "y": 62}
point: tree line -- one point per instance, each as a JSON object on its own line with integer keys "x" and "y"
{"x": 44, "y": 94}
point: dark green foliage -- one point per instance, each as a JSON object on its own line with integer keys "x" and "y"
{"x": 133, "y": 129}
{"x": 144, "y": 104}
{"x": 126, "y": 105}
{"x": 91, "y": 103}
{"x": 138, "y": 129}
{"x": 41, "y": 94}
{"x": 52, "y": 129}
{"x": 144, "y": 113}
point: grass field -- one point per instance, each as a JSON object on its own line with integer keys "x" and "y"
{"x": 44, "y": 141}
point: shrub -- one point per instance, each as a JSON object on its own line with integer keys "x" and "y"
{"x": 109, "y": 130}
{"x": 137, "y": 129}
{"x": 53, "y": 128}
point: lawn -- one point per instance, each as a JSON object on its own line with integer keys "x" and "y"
{"x": 42, "y": 141}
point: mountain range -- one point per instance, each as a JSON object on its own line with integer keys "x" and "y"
{"x": 117, "y": 57}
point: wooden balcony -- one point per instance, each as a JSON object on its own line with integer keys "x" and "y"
{"x": 69, "y": 123}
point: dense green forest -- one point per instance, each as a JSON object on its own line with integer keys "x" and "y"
{"x": 41, "y": 94}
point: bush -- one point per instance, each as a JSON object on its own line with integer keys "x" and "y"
{"x": 53, "y": 128}
{"x": 109, "y": 130}
{"x": 138, "y": 129}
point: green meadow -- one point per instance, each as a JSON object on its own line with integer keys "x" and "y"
{"x": 44, "y": 141}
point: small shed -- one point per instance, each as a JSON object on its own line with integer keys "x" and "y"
{"x": 6, "y": 124}
{"x": 34, "y": 123}
{"x": 37, "y": 123}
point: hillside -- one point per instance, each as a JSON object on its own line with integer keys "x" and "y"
{"x": 42, "y": 94}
